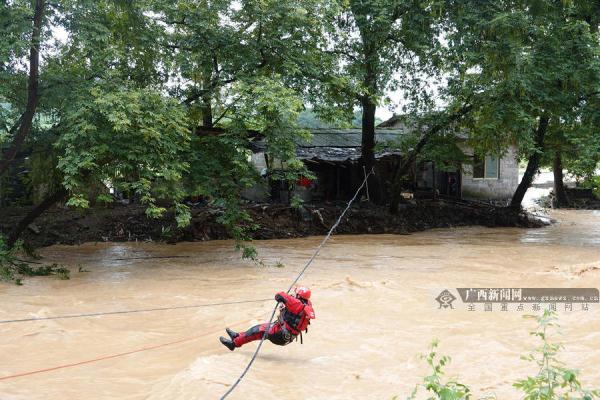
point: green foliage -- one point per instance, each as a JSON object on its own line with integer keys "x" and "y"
{"x": 133, "y": 139}
{"x": 166, "y": 232}
{"x": 593, "y": 183}
{"x": 267, "y": 106}
{"x": 220, "y": 164}
{"x": 579, "y": 144}
{"x": 105, "y": 198}
{"x": 122, "y": 95}
{"x": 183, "y": 215}
{"x": 517, "y": 61}
{"x": 219, "y": 168}
{"x": 309, "y": 119}
{"x": 43, "y": 177}
{"x": 248, "y": 252}
{"x": 14, "y": 44}
{"x": 296, "y": 202}
{"x": 12, "y": 269}
{"x": 434, "y": 384}
{"x": 8, "y": 263}
{"x": 375, "y": 47}
{"x": 124, "y": 130}
{"x": 553, "y": 381}
{"x": 443, "y": 148}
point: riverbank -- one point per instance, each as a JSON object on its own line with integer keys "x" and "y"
{"x": 123, "y": 223}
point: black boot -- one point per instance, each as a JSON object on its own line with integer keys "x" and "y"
{"x": 231, "y": 333}
{"x": 227, "y": 343}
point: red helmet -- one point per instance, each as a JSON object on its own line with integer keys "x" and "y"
{"x": 302, "y": 292}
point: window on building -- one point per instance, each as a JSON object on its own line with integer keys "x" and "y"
{"x": 486, "y": 168}
{"x": 478, "y": 167}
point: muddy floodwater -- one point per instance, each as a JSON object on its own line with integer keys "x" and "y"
{"x": 374, "y": 297}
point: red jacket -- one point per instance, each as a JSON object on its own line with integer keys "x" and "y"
{"x": 296, "y": 314}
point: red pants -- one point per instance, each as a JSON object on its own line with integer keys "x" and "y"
{"x": 277, "y": 335}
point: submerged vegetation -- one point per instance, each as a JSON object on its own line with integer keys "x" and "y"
{"x": 13, "y": 269}
{"x": 552, "y": 381}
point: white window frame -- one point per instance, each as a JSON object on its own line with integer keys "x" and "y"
{"x": 487, "y": 156}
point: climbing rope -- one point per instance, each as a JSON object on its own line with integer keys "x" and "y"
{"x": 96, "y": 314}
{"x": 111, "y": 356}
{"x": 315, "y": 254}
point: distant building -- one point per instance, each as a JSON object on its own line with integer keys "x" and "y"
{"x": 487, "y": 177}
{"x": 333, "y": 158}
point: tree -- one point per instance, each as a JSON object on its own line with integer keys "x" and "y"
{"x": 435, "y": 139}
{"x": 22, "y": 126}
{"x": 236, "y": 65}
{"x": 101, "y": 104}
{"x": 215, "y": 45}
{"x": 573, "y": 144}
{"x": 529, "y": 64}
{"x": 380, "y": 46}
{"x": 118, "y": 100}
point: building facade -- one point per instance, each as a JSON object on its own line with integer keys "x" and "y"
{"x": 332, "y": 156}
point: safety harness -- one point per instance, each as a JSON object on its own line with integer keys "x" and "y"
{"x": 293, "y": 322}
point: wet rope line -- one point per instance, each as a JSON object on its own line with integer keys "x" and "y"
{"x": 110, "y": 356}
{"x": 39, "y": 371}
{"x": 96, "y": 314}
{"x": 315, "y": 254}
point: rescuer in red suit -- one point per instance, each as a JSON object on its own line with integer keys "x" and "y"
{"x": 294, "y": 318}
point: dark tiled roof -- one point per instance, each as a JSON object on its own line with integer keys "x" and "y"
{"x": 341, "y": 145}
{"x": 338, "y": 145}
{"x": 336, "y": 154}
{"x": 347, "y": 137}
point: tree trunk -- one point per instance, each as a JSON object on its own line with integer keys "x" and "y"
{"x": 207, "y": 115}
{"x": 533, "y": 164}
{"x": 411, "y": 157}
{"x": 38, "y": 210}
{"x": 32, "y": 89}
{"x": 560, "y": 195}
{"x": 368, "y": 146}
{"x": 207, "y": 88}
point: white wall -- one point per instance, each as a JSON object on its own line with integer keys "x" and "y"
{"x": 492, "y": 189}
{"x": 258, "y": 192}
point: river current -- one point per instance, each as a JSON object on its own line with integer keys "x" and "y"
{"x": 374, "y": 297}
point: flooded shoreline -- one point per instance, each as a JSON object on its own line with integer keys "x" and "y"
{"x": 273, "y": 221}
{"x": 374, "y": 298}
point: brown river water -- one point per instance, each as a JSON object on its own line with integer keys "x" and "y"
{"x": 374, "y": 297}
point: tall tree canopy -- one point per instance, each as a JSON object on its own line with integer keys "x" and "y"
{"x": 160, "y": 98}
{"x": 529, "y": 65}
{"x": 379, "y": 46}
{"x": 130, "y": 92}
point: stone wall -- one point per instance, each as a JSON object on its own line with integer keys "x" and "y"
{"x": 492, "y": 189}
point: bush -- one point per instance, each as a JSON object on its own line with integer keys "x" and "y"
{"x": 593, "y": 183}
{"x": 552, "y": 381}
{"x": 433, "y": 384}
